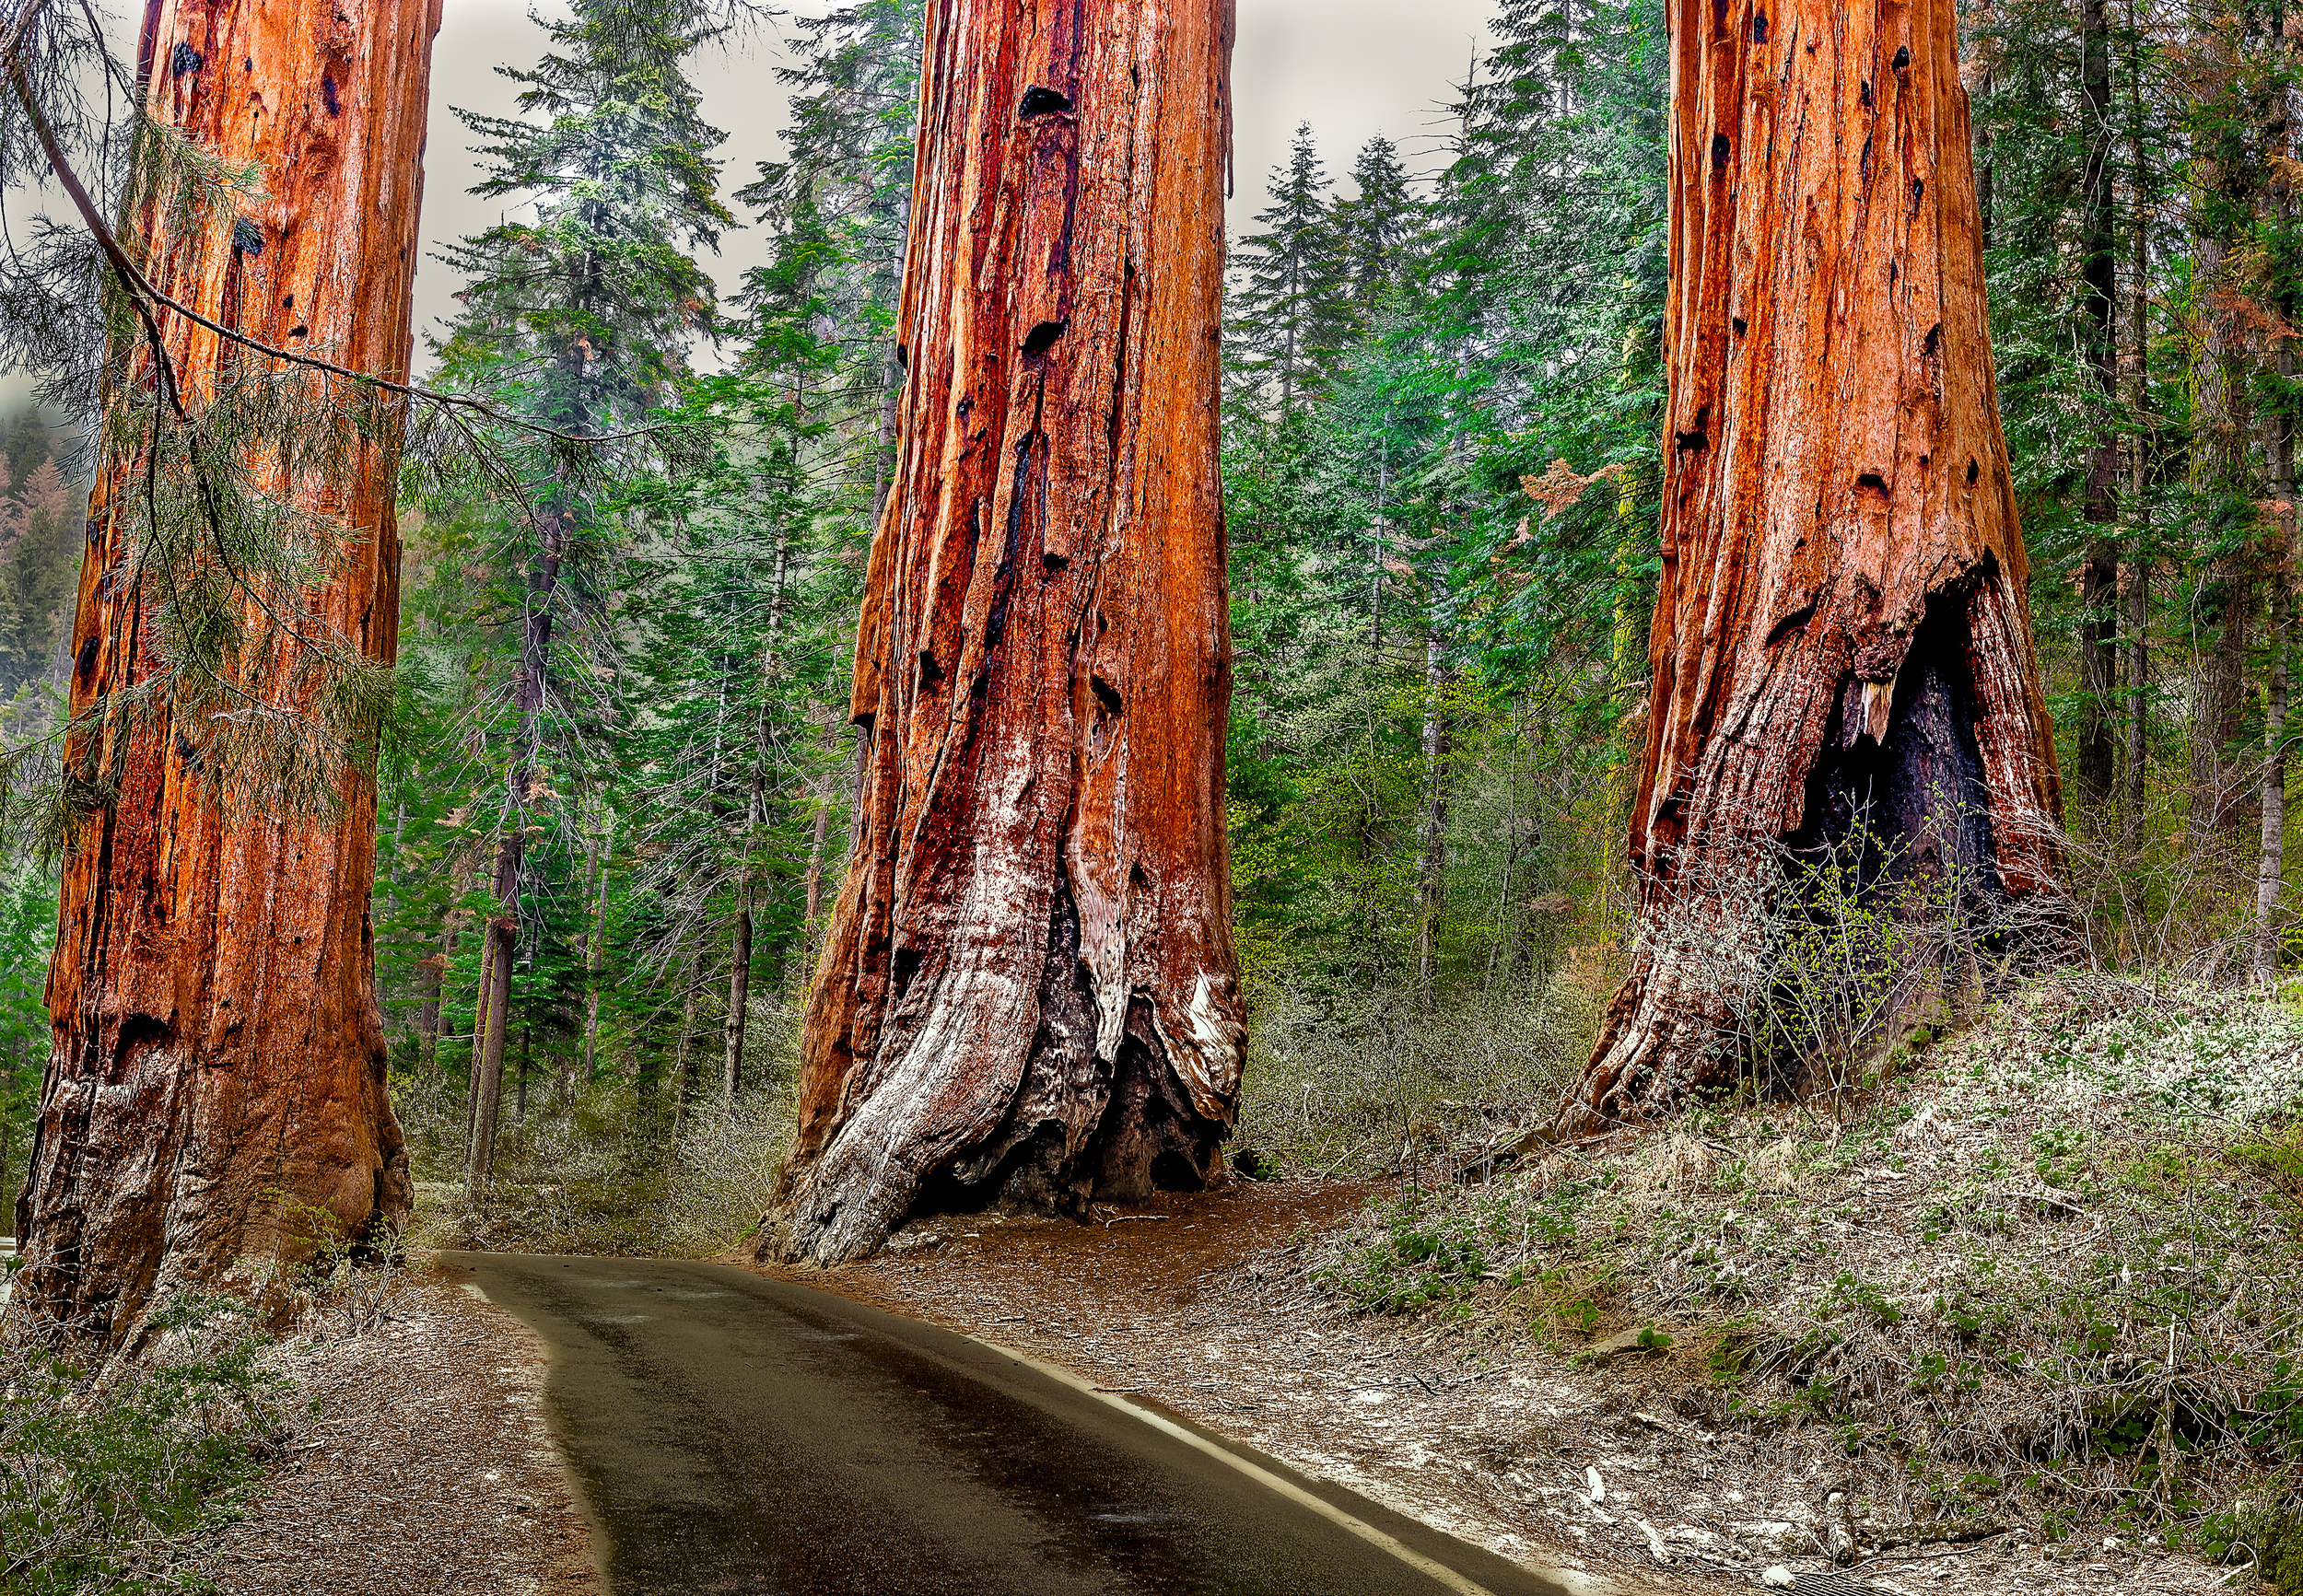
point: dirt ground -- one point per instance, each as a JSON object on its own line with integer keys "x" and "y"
{"x": 1580, "y": 1470}
{"x": 421, "y": 1466}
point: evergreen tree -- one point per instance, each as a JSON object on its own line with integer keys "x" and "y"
{"x": 1287, "y": 311}
{"x": 1373, "y": 232}
{"x": 581, "y": 319}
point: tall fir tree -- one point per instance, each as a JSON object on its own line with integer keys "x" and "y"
{"x": 1286, "y": 315}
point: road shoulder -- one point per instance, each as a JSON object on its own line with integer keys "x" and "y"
{"x": 422, "y": 1464}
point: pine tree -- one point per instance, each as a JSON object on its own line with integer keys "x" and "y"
{"x": 1373, "y": 232}
{"x": 38, "y": 572}
{"x": 1287, "y": 311}
{"x": 581, "y": 319}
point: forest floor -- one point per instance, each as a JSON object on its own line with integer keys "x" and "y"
{"x": 1622, "y": 1358}
{"x": 421, "y": 1463}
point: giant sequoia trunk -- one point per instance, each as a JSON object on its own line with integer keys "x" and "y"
{"x": 1842, "y": 636}
{"x": 218, "y": 1064}
{"x": 1029, "y": 993}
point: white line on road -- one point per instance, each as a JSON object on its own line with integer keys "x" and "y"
{"x": 1366, "y": 1532}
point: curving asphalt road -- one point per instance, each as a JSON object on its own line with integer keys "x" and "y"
{"x": 731, "y": 1433}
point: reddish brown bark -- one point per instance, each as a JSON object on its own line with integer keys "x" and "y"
{"x": 1842, "y": 611}
{"x": 218, "y": 1064}
{"x": 1028, "y": 993}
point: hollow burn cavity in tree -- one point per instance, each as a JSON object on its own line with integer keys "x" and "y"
{"x": 1913, "y": 807}
{"x": 1895, "y": 865}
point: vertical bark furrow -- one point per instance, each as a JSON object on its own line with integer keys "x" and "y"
{"x": 1834, "y": 475}
{"x": 1037, "y": 912}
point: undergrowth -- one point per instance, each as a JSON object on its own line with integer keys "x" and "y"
{"x": 101, "y": 1481}
{"x": 1355, "y": 1083}
{"x": 592, "y": 1178}
{"x": 2053, "y": 1274}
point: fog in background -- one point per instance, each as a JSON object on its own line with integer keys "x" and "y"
{"x": 1351, "y": 68}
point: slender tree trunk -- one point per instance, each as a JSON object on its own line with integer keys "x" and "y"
{"x": 1842, "y": 609}
{"x": 684, "y": 1056}
{"x": 435, "y": 989}
{"x": 2271, "y": 863}
{"x": 2223, "y": 611}
{"x": 1029, "y": 986}
{"x": 594, "y": 954}
{"x": 519, "y": 1096}
{"x": 479, "y": 1040}
{"x": 511, "y": 845}
{"x": 756, "y": 817}
{"x": 819, "y": 844}
{"x": 218, "y": 1056}
{"x": 1431, "y": 830}
{"x": 2139, "y": 456}
{"x": 2099, "y": 569}
{"x": 487, "y": 1086}
{"x": 739, "y": 1006}
{"x": 2271, "y": 860}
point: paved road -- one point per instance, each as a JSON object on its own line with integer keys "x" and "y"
{"x": 737, "y": 1434}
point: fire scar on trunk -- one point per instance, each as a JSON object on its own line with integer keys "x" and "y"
{"x": 1842, "y": 643}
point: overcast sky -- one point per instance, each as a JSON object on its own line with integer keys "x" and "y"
{"x": 1351, "y": 68}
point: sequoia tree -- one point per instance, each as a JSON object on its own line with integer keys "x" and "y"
{"x": 215, "y": 1096}
{"x": 1842, "y": 636}
{"x": 1028, "y": 992}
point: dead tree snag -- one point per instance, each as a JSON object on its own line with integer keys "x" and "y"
{"x": 218, "y": 1074}
{"x": 1028, "y": 992}
{"x": 1842, "y": 635}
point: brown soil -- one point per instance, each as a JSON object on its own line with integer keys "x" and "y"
{"x": 422, "y": 1465}
{"x": 1196, "y": 1301}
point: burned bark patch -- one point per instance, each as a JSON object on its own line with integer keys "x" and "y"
{"x": 1913, "y": 806}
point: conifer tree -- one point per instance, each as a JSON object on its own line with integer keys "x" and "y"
{"x": 1373, "y": 234}
{"x": 582, "y": 317}
{"x": 1287, "y": 311}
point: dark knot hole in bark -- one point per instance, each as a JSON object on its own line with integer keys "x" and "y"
{"x": 137, "y": 1033}
{"x": 1902, "y": 58}
{"x": 1039, "y": 101}
{"x": 1874, "y": 482}
{"x": 903, "y": 968}
{"x": 1042, "y": 338}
